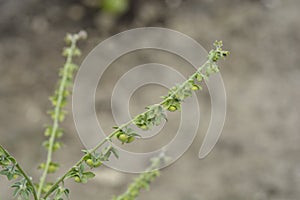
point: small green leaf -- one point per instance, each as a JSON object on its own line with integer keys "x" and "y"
{"x": 9, "y": 171}
{"x": 22, "y": 189}
{"x": 89, "y": 175}
{"x": 115, "y": 152}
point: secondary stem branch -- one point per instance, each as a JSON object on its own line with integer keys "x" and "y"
{"x": 28, "y": 179}
{"x": 57, "y": 111}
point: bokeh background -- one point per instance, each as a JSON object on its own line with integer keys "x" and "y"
{"x": 257, "y": 156}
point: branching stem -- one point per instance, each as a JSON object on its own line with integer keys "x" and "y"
{"x": 108, "y": 138}
{"x": 28, "y": 179}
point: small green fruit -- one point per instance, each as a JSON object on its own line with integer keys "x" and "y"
{"x": 97, "y": 164}
{"x": 47, "y": 188}
{"x": 56, "y": 146}
{"x": 52, "y": 169}
{"x": 144, "y": 127}
{"x": 123, "y": 138}
{"x": 89, "y": 162}
{"x": 77, "y": 179}
{"x": 195, "y": 87}
{"x": 172, "y": 108}
{"x": 130, "y": 139}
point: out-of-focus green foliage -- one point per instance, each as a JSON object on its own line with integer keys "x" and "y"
{"x": 115, "y": 6}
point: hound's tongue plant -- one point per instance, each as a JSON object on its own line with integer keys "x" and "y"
{"x": 23, "y": 185}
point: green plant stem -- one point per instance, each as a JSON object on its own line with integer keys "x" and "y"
{"x": 143, "y": 180}
{"x": 28, "y": 179}
{"x": 108, "y": 138}
{"x": 57, "y": 111}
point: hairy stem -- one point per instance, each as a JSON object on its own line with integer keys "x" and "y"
{"x": 28, "y": 179}
{"x": 57, "y": 111}
{"x": 143, "y": 180}
{"x": 213, "y": 57}
{"x": 108, "y": 138}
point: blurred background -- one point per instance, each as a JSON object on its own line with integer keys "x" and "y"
{"x": 257, "y": 156}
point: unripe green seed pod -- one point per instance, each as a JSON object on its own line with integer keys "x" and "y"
{"x": 52, "y": 169}
{"x": 90, "y": 162}
{"x": 56, "y": 146}
{"x": 144, "y": 127}
{"x": 130, "y": 139}
{"x": 97, "y": 164}
{"x": 123, "y": 138}
{"x": 77, "y": 179}
{"x": 172, "y": 108}
{"x": 195, "y": 87}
